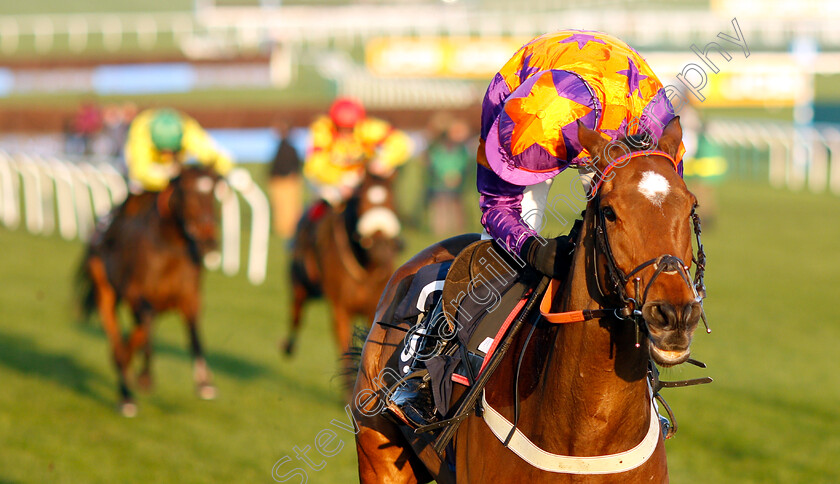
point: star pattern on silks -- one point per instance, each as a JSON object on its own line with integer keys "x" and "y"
{"x": 581, "y": 39}
{"x": 538, "y": 117}
{"x": 633, "y": 77}
{"x": 526, "y": 70}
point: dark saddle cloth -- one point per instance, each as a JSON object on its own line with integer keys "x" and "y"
{"x": 464, "y": 307}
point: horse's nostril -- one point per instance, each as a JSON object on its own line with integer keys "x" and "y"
{"x": 661, "y": 314}
{"x": 691, "y": 313}
{"x": 665, "y": 316}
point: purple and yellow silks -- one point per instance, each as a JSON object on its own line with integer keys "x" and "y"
{"x": 529, "y": 114}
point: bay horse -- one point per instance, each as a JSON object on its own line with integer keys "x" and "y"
{"x": 346, "y": 255}
{"x": 151, "y": 257}
{"x": 583, "y": 389}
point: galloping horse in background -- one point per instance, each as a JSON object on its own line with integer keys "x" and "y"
{"x": 151, "y": 256}
{"x": 583, "y": 386}
{"x": 346, "y": 255}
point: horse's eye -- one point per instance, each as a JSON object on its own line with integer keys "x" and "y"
{"x": 609, "y": 213}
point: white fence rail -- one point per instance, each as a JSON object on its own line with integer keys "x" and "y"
{"x": 49, "y": 193}
{"x": 796, "y": 157}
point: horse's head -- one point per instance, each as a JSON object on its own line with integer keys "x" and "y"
{"x": 193, "y": 206}
{"x": 377, "y": 226}
{"x": 642, "y": 222}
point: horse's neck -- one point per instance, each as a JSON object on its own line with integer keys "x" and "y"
{"x": 593, "y": 380}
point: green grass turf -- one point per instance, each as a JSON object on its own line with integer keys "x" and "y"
{"x": 770, "y": 416}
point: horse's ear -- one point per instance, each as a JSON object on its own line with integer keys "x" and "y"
{"x": 593, "y": 142}
{"x": 671, "y": 137}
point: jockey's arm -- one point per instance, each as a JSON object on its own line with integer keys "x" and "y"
{"x": 197, "y": 143}
{"x": 393, "y": 147}
{"x": 318, "y": 167}
{"x": 501, "y": 208}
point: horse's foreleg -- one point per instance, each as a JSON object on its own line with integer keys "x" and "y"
{"x": 106, "y": 302}
{"x": 141, "y": 337}
{"x": 342, "y": 327}
{"x": 202, "y": 376}
{"x": 381, "y": 457}
{"x": 300, "y": 295}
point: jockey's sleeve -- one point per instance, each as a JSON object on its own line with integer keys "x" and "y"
{"x": 501, "y": 207}
{"x": 393, "y": 147}
{"x": 199, "y": 144}
{"x": 318, "y": 167}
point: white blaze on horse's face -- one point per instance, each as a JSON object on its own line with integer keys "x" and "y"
{"x": 654, "y": 187}
{"x": 204, "y": 184}
{"x": 377, "y": 195}
{"x": 379, "y": 219}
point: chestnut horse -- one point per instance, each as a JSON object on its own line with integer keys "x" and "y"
{"x": 583, "y": 387}
{"x": 346, "y": 255}
{"x": 151, "y": 256}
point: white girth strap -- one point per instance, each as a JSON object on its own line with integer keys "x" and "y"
{"x": 565, "y": 464}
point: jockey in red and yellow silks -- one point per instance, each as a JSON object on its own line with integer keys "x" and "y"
{"x": 345, "y": 143}
{"x": 529, "y": 113}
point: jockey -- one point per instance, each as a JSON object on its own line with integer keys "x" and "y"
{"x": 159, "y": 140}
{"x": 529, "y": 135}
{"x": 345, "y": 143}
{"x": 529, "y": 129}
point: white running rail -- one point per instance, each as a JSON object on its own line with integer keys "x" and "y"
{"x": 52, "y": 192}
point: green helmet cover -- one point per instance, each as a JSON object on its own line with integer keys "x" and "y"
{"x": 167, "y": 129}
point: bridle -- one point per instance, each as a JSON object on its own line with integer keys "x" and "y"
{"x": 630, "y": 308}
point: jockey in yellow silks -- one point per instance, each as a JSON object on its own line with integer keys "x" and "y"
{"x": 345, "y": 143}
{"x": 159, "y": 140}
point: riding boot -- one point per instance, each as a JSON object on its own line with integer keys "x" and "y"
{"x": 413, "y": 395}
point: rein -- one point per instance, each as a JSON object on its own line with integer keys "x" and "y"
{"x": 345, "y": 254}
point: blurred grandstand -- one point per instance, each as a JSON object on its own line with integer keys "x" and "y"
{"x": 239, "y": 65}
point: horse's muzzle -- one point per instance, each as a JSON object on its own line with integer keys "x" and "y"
{"x": 670, "y": 330}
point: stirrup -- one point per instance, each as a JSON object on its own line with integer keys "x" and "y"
{"x": 410, "y": 399}
{"x": 415, "y": 402}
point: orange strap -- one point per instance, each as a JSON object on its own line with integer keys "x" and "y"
{"x": 557, "y": 318}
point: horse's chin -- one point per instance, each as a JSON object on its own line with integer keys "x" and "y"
{"x": 667, "y": 358}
